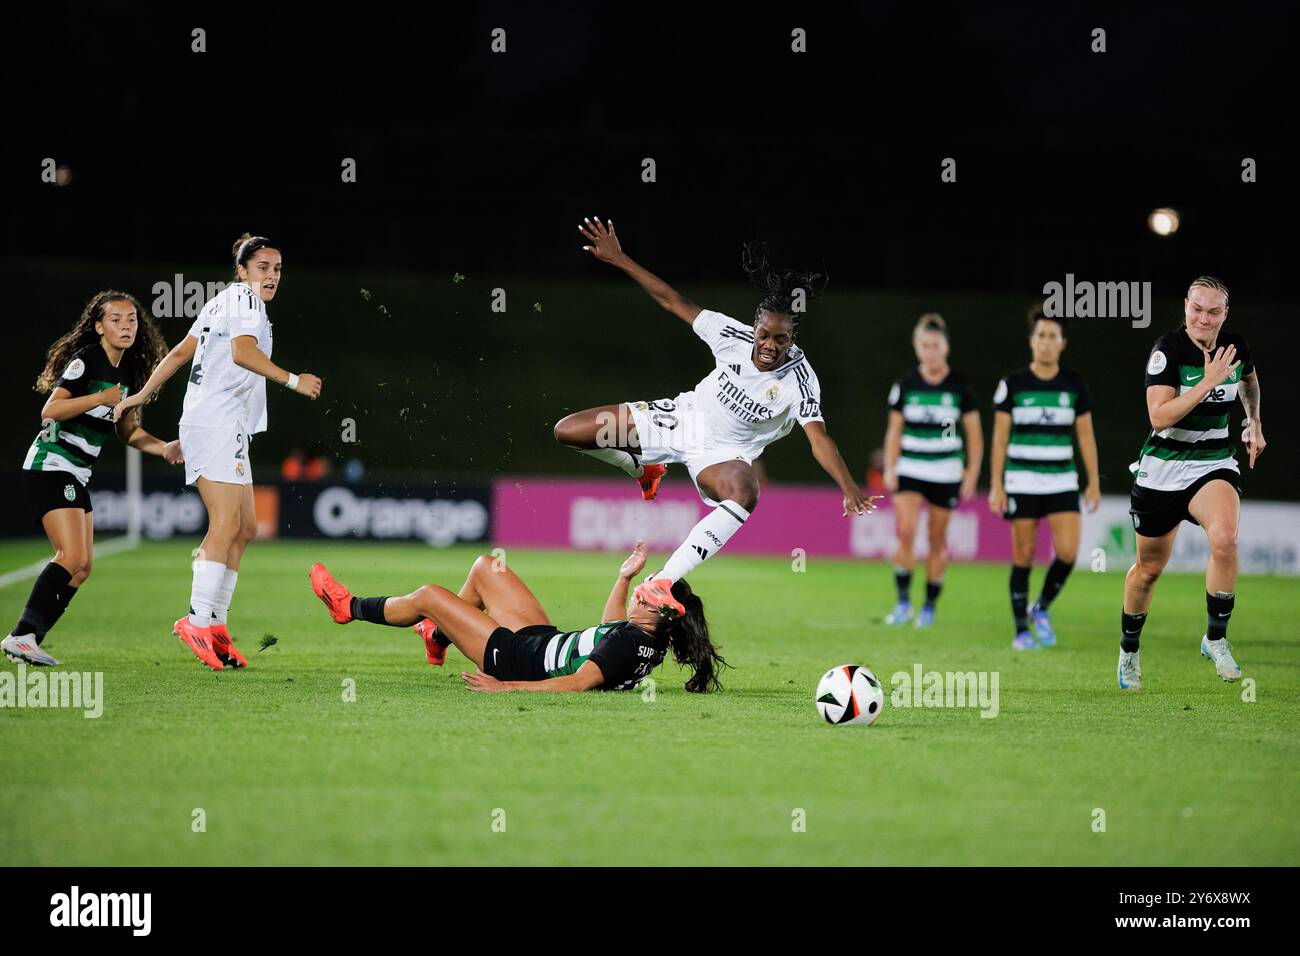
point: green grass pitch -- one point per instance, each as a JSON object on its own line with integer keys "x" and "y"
{"x": 417, "y": 769}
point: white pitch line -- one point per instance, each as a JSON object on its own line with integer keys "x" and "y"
{"x": 108, "y": 548}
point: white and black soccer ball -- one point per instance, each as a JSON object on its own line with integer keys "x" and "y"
{"x": 850, "y": 694}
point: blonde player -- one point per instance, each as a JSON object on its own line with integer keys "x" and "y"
{"x": 229, "y": 347}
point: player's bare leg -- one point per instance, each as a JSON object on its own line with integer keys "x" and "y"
{"x": 1217, "y": 508}
{"x": 936, "y": 563}
{"x": 1065, "y": 527}
{"x": 907, "y": 514}
{"x": 1139, "y": 587}
{"x": 71, "y": 533}
{"x": 608, "y": 433}
{"x": 492, "y": 587}
{"x": 734, "y": 485}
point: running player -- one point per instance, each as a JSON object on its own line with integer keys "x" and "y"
{"x": 498, "y": 624}
{"x": 225, "y": 405}
{"x": 927, "y": 461}
{"x": 106, "y": 355}
{"x": 1033, "y": 472}
{"x": 1188, "y": 468}
{"x": 760, "y": 387}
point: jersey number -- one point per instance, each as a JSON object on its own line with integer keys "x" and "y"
{"x": 196, "y": 373}
{"x": 662, "y": 417}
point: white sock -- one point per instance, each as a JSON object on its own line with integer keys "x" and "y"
{"x": 706, "y": 539}
{"x": 208, "y": 576}
{"x": 221, "y": 607}
{"x": 618, "y": 458}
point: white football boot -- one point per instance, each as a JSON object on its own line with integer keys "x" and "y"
{"x": 23, "y": 647}
{"x": 1219, "y": 652}
{"x": 1130, "y": 670}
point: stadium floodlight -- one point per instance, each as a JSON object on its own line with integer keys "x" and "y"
{"x": 1163, "y": 221}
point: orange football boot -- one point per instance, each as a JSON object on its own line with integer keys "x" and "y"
{"x": 199, "y": 640}
{"x": 434, "y": 652}
{"x": 223, "y": 645}
{"x": 651, "y": 475}
{"x": 658, "y": 594}
{"x": 337, "y": 598}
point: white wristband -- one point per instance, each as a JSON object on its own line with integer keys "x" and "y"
{"x": 292, "y": 384}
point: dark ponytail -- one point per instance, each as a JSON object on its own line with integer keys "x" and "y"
{"x": 778, "y": 285}
{"x": 688, "y": 636}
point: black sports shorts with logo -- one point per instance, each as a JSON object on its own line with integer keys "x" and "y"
{"x": 1156, "y": 513}
{"x": 50, "y": 490}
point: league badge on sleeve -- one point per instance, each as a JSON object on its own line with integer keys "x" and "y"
{"x": 1157, "y": 363}
{"x": 74, "y": 370}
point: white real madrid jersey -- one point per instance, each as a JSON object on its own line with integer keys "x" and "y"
{"x": 738, "y": 405}
{"x": 220, "y": 393}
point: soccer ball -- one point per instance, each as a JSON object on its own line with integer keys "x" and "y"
{"x": 850, "y": 694}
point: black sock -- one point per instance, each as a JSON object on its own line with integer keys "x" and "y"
{"x": 1218, "y": 609}
{"x": 64, "y": 598}
{"x": 1130, "y": 630}
{"x": 1057, "y": 572}
{"x": 903, "y": 581}
{"x": 1020, "y": 596}
{"x": 43, "y": 607}
{"x": 370, "y": 609}
{"x": 932, "y": 589}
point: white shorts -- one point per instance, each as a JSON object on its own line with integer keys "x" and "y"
{"x": 669, "y": 433}
{"x": 217, "y": 454}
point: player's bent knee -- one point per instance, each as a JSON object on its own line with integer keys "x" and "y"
{"x": 1223, "y": 541}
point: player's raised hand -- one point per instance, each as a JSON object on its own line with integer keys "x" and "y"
{"x": 1219, "y": 366}
{"x": 602, "y": 241}
{"x": 855, "y": 504}
{"x": 1252, "y": 436}
{"x": 309, "y": 385}
{"x": 634, "y": 563}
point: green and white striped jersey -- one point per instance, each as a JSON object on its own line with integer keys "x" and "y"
{"x": 73, "y": 446}
{"x": 1040, "y": 455}
{"x": 623, "y": 652}
{"x": 934, "y": 446}
{"x": 1197, "y": 444}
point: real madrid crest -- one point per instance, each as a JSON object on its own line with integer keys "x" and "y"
{"x": 773, "y": 391}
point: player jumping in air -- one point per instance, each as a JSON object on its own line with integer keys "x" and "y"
{"x": 106, "y": 355}
{"x": 498, "y": 624}
{"x": 760, "y": 386}
{"x": 225, "y": 405}
{"x": 927, "y": 461}
{"x": 1188, "y": 469}
{"x": 1036, "y": 410}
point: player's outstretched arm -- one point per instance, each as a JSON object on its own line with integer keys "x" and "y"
{"x": 131, "y": 433}
{"x": 179, "y": 356}
{"x": 1088, "y": 451}
{"x": 616, "y": 606}
{"x": 587, "y": 676}
{"x": 974, "y": 454}
{"x": 828, "y": 456}
{"x": 998, "y": 461}
{"x": 245, "y": 353}
{"x": 604, "y": 245}
{"x": 1252, "y": 432}
{"x": 893, "y": 449}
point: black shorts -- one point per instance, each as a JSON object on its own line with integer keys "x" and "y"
{"x": 940, "y": 494}
{"x": 1040, "y": 506}
{"x": 1156, "y": 513}
{"x": 50, "y": 490}
{"x": 518, "y": 655}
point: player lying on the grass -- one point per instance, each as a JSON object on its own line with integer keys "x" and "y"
{"x": 1188, "y": 468}
{"x": 1037, "y": 412}
{"x": 760, "y": 387}
{"x": 229, "y": 346}
{"x": 927, "y": 461}
{"x": 499, "y": 624}
{"x": 108, "y": 353}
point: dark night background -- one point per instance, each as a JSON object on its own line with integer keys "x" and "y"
{"x": 482, "y": 164}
